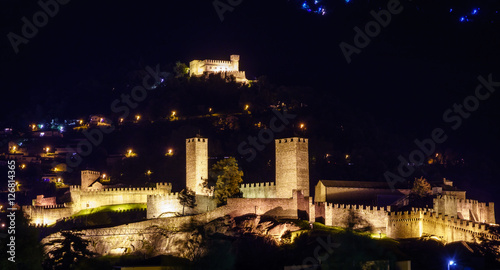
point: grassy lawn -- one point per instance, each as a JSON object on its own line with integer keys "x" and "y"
{"x": 110, "y": 208}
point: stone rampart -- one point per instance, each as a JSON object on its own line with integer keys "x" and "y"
{"x": 47, "y": 215}
{"x": 259, "y": 190}
{"x": 168, "y": 205}
{"x": 339, "y": 214}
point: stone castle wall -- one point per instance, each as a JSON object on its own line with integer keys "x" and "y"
{"x": 47, "y": 215}
{"x": 168, "y": 205}
{"x": 338, "y": 215}
{"x": 94, "y": 198}
{"x": 405, "y": 224}
{"x": 465, "y": 209}
{"x": 259, "y": 190}
{"x": 131, "y": 236}
{"x": 414, "y": 224}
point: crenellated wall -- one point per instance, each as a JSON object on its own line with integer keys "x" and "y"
{"x": 338, "y": 215}
{"x": 465, "y": 209}
{"x": 259, "y": 190}
{"x": 406, "y": 224}
{"x": 168, "y": 205}
{"x": 414, "y": 224}
{"x": 94, "y": 198}
{"x": 46, "y": 215}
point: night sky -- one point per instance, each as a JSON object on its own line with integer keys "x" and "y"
{"x": 426, "y": 59}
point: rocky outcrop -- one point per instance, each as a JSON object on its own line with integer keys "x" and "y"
{"x": 189, "y": 241}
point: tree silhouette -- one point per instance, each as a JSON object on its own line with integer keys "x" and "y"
{"x": 228, "y": 180}
{"x": 67, "y": 251}
{"x": 187, "y": 198}
{"x": 421, "y": 187}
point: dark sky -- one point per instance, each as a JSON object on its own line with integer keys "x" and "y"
{"x": 407, "y": 77}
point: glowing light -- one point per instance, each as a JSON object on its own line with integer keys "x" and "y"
{"x": 346, "y": 156}
{"x": 347, "y": 1}
{"x": 47, "y": 149}
{"x": 42, "y": 134}
{"x": 462, "y": 19}
{"x": 137, "y": 117}
{"x": 149, "y": 172}
{"x": 173, "y": 113}
{"x": 121, "y": 120}
{"x": 451, "y": 263}
{"x": 246, "y": 107}
{"x": 81, "y": 122}
{"x": 104, "y": 176}
{"x": 59, "y": 179}
{"x": 451, "y": 9}
{"x": 23, "y": 166}
{"x": 302, "y": 126}
{"x": 474, "y": 11}
{"x": 209, "y": 109}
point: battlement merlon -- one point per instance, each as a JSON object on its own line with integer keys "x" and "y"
{"x": 292, "y": 139}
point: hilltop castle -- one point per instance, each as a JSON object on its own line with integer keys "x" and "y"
{"x": 451, "y": 218}
{"x": 225, "y": 68}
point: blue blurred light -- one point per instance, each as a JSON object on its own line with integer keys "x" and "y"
{"x": 451, "y": 9}
{"x": 462, "y": 19}
{"x": 347, "y": 1}
{"x": 474, "y": 11}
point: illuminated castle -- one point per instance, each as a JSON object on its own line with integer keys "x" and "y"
{"x": 226, "y": 68}
{"x": 451, "y": 218}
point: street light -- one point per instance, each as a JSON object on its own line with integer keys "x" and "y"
{"x": 450, "y": 263}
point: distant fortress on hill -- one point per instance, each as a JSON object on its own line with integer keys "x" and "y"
{"x": 225, "y": 68}
{"x": 451, "y": 218}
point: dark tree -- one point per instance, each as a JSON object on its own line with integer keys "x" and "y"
{"x": 187, "y": 198}
{"x": 68, "y": 251}
{"x": 228, "y": 180}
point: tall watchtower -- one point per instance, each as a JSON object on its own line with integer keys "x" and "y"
{"x": 292, "y": 166}
{"x": 196, "y": 163}
{"x": 88, "y": 177}
{"x": 235, "y": 60}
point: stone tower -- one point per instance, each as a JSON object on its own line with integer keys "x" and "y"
{"x": 292, "y": 166}
{"x": 88, "y": 177}
{"x": 235, "y": 59}
{"x": 196, "y": 163}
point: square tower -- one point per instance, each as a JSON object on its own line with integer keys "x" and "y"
{"x": 292, "y": 166}
{"x": 88, "y": 177}
{"x": 196, "y": 163}
{"x": 235, "y": 59}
